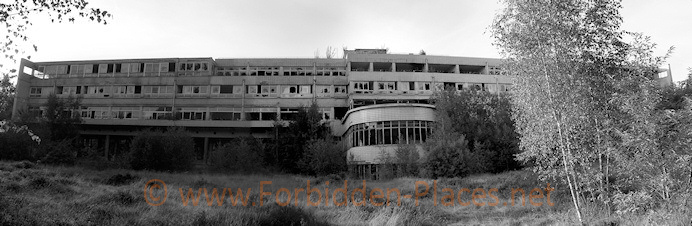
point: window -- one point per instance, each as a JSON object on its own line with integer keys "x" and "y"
{"x": 268, "y": 89}
{"x": 194, "y": 89}
{"x": 386, "y": 86}
{"x": 340, "y": 89}
{"x": 251, "y": 89}
{"x": 389, "y": 132}
{"x": 103, "y": 68}
{"x": 76, "y": 69}
{"x": 120, "y": 89}
{"x": 98, "y": 90}
{"x": 222, "y": 113}
{"x": 125, "y": 112}
{"x": 95, "y": 113}
{"x": 157, "y": 89}
{"x": 323, "y": 89}
{"x": 290, "y": 89}
{"x": 305, "y": 89}
{"x": 134, "y": 67}
{"x": 192, "y": 113}
{"x": 423, "y": 86}
{"x": 35, "y": 91}
{"x": 151, "y": 67}
{"x": 160, "y": 113}
{"x": 190, "y": 66}
{"x": 69, "y": 90}
{"x": 362, "y": 87}
{"x": 289, "y": 113}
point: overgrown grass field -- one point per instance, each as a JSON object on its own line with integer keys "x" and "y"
{"x": 33, "y": 194}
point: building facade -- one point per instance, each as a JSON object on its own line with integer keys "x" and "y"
{"x": 373, "y": 100}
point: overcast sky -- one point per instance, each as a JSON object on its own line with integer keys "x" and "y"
{"x": 280, "y": 28}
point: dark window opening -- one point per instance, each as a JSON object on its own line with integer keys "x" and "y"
{"x": 171, "y": 67}
{"x": 253, "y": 116}
{"x": 340, "y": 112}
{"x": 110, "y": 68}
{"x": 118, "y": 68}
{"x": 226, "y": 89}
{"x": 138, "y": 89}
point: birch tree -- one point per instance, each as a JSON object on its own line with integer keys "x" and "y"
{"x": 575, "y": 81}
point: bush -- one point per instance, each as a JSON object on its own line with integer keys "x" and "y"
{"x": 172, "y": 150}
{"x": 239, "y": 155}
{"x": 58, "y": 152}
{"x": 323, "y": 157}
{"x": 451, "y": 157}
{"x": 18, "y": 143}
{"x": 407, "y": 158}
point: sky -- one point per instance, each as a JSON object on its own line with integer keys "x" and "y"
{"x": 280, "y": 28}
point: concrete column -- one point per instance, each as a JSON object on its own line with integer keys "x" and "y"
{"x": 456, "y": 69}
{"x": 242, "y": 106}
{"x": 370, "y": 67}
{"x": 425, "y": 67}
{"x": 206, "y": 149}
{"x": 393, "y": 67}
{"x": 107, "y": 145}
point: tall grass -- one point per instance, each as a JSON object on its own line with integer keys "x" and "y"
{"x": 49, "y": 195}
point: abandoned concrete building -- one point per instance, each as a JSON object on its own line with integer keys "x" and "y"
{"x": 372, "y": 99}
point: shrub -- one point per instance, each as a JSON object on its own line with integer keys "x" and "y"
{"x": 407, "y": 158}
{"x": 240, "y": 155}
{"x": 323, "y": 157}
{"x": 448, "y": 157}
{"x": 172, "y": 150}
{"x": 58, "y": 152}
{"x": 18, "y": 143}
